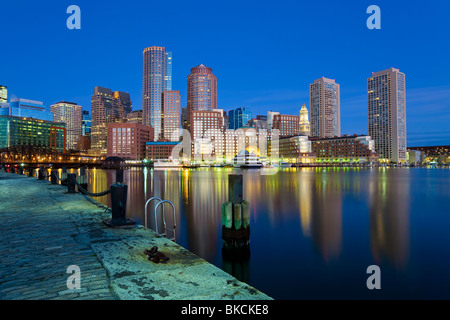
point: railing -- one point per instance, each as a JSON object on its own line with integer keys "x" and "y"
{"x": 164, "y": 234}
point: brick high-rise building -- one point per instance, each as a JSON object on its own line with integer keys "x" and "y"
{"x": 287, "y": 124}
{"x": 170, "y": 115}
{"x": 325, "y": 108}
{"x": 127, "y": 140}
{"x": 201, "y": 91}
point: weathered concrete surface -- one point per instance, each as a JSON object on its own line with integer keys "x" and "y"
{"x": 43, "y": 230}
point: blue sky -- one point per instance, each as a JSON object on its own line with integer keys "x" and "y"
{"x": 264, "y": 53}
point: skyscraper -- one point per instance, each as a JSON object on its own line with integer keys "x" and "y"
{"x": 106, "y": 107}
{"x": 71, "y": 114}
{"x": 86, "y": 124}
{"x": 171, "y": 115}
{"x": 26, "y": 108}
{"x": 3, "y": 94}
{"x": 386, "y": 108}
{"x": 325, "y": 106}
{"x": 305, "y": 129}
{"x": 201, "y": 90}
{"x": 239, "y": 117}
{"x": 157, "y": 77}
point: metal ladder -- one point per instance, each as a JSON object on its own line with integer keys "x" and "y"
{"x": 163, "y": 217}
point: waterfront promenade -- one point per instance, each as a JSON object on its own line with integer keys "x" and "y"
{"x": 44, "y": 230}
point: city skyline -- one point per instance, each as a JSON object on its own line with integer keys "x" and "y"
{"x": 280, "y": 86}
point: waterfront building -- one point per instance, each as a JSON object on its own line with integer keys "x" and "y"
{"x": 386, "y": 108}
{"x": 106, "y": 107}
{"x": 207, "y": 124}
{"x": 157, "y": 77}
{"x": 27, "y": 109}
{"x": 258, "y": 124}
{"x": 295, "y": 149}
{"x": 86, "y": 124}
{"x": 434, "y": 154}
{"x": 201, "y": 91}
{"x": 159, "y": 150}
{"x": 135, "y": 116}
{"x": 415, "y": 157}
{"x": 287, "y": 125}
{"x": 71, "y": 114}
{"x": 170, "y": 115}
{"x": 239, "y": 117}
{"x": 325, "y": 107}
{"x": 30, "y": 132}
{"x": 344, "y": 149}
{"x": 305, "y": 128}
{"x": 3, "y": 94}
{"x": 128, "y": 140}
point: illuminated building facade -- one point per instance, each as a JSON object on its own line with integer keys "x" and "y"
{"x": 344, "y": 149}
{"x": 157, "y": 77}
{"x": 201, "y": 91}
{"x": 106, "y": 107}
{"x": 386, "y": 108}
{"x": 127, "y": 140}
{"x": 135, "y": 116}
{"x": 238, "y": 118}
{"x": 170, "y": 115}
{"x": 286, "y": 124}
{"x": 305, "y": 128}
{"x": 19, "y": 131}
{"x": 207, "y": 125}
{"x": 71, "y": 114}
{"x": 159, "y": 150}
{"x": 325, "y": 107}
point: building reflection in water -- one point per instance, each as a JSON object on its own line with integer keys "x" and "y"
{"x": 389, "y": 216}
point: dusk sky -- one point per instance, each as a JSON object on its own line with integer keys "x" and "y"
{"x": 264, "y": 53}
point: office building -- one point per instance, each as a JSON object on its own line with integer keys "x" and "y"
{"x": 344, "y": 149}
{"x": 386, "y": 108}
{"x": 170, "y": 115}
{"x": 30, "y": 132}
{"x": 325, "y": 105}
{"x": 106, "y": 107}
{"x": 72, "y": 115}
{"x": 159, "y": 150}
{"x": 287, "y": 125}
{"x": 238, "y": 118}
{"x": 201, "y": 91}
{"x": 86, "y": 124}
{"x": 27, "y": 109}
{"x": 135, "y": 116}
{"x": 127, "y": 140}
{"x": 157, "y": 77}
{"x": 207, "y": 126}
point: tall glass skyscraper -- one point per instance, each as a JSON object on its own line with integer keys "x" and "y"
{"x": 27, "y": 109}
{"x": 325, "y": 104}
{"x": 386, "y": 109}
{"x": 157, "y": 77}
{"x": 237, "y": 118}
{"x": 71, "y": 114}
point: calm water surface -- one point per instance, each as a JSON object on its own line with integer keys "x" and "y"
{"x": 314, "y": 231}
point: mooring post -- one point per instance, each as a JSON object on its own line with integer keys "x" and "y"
{"x": 30, "y": 171}
{"x": 20, "y": 170}
{"x": 71, "y": 181}
{"x": 41, "y": 173}
{"x": 119, "y": 175}
{"x": 64, "y": 176}
{"x": 119, "y": 206}
{"x": 54, "y": 176}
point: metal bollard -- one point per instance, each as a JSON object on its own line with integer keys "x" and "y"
{"x": 71, "y": 179}
{"x": 54, "y": 176}
{"x": 119, "y": 206}
{"x": 119, "y": 175}
{"x": 41, "y": 173}
{"x": 30, "y": 171}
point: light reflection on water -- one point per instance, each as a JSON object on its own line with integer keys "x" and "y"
{"x": 314, "y": 231}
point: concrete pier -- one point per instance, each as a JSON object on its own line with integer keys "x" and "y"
{"x": 44, "y": 230}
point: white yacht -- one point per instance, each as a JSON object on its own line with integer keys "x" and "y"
{"x": 245, "y": 159}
